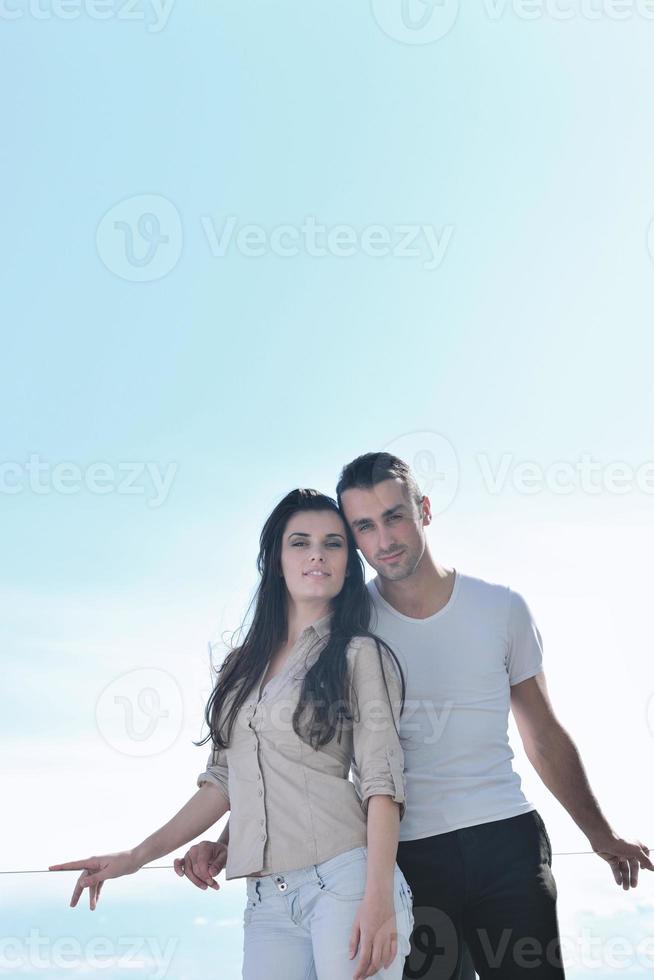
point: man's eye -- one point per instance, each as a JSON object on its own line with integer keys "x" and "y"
{"x": 396, "y": 517}
{"x": 364, "y": 527}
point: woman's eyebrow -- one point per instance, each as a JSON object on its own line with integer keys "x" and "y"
{"x": 305, "y": 534}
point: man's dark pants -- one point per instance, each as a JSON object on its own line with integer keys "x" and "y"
{"x": 485, "y": 892}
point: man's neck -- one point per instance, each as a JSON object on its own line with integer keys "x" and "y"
{"x": 423, "y": 593}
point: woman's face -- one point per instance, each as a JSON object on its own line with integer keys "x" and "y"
{"x": 314, "y": 555}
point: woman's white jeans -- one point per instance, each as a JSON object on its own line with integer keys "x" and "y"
{"x": 297, "y": 925}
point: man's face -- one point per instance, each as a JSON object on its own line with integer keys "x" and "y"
{"x": 387, "y": 527}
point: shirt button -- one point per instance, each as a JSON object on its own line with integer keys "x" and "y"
{"x": 263, "y": 837}
{"x": 260, "y": 792}
{"x": 254, "y": 747}
{"x": 262, "y": 822}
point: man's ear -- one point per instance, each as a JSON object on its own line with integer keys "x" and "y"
{"x": 425, "y": 509}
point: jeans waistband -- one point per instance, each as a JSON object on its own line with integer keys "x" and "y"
{"x": 280, "y": 883}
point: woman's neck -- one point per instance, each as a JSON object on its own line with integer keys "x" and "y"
{"x": 303, "y": 614}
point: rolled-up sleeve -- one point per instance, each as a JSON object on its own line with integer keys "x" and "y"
{"x": 216, "y": 771}
{"x": 378, "y": 764}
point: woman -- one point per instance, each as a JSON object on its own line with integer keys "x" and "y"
{"x": 309, "y": 693}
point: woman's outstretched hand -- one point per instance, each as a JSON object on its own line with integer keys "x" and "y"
{"x": 202, "y": 863}
{"x": 95, "y": 872}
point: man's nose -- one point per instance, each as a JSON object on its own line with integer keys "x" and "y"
{"x": 385, "y": 540}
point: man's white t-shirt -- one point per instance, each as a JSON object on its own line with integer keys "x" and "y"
{"x": 459, "y": 665}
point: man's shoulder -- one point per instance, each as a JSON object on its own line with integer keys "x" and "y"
{"x": 485, "y": 593}
{"x": 495, "y": 597}
{"x": 472, "y": 588}
{"x": 482, "y": 586}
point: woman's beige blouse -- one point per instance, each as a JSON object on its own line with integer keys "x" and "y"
{"x": 292, "y": 805}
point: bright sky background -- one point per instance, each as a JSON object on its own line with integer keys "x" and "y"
{"x": 521, "y": 333}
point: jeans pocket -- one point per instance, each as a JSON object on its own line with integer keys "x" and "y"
{"x": 408, "y": 900}
{"x": 405, "y": 927}
{"x": 346, "y": 882}
{"x": 250, "y": 905}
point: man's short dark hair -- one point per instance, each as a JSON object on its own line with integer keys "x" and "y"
{"x": 370, "y": 469}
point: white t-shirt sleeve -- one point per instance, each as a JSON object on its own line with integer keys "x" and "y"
{"x": 524, "y": 656}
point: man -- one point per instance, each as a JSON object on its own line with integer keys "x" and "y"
{"x": 474, "y": 851}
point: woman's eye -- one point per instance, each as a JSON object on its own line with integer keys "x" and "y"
{"x": 334, "y": 544}
{"x": 297, "y": 544}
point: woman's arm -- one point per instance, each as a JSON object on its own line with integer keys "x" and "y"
{"x": 383, "y": 836}
{"x": 378, "y": 765}
{"x": 374, "y": 932}
{"x": 207, "y": 806}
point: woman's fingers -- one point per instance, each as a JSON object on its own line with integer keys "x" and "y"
{"x": 76, "y": 865}
{"x": 391, "y": 952}
{"x": 354, "y": 939}
{"x": 365, "y": 956}
{"x": 94, "y": 894}
{"x": 77, "y": 891}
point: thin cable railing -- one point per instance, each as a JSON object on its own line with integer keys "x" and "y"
{"x": 169, "y": 867}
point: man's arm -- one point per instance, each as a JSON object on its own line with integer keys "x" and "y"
{"x": 556, "y": 759}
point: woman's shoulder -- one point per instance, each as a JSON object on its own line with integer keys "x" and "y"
{"x": 367, "y": 647}
{"x": 361, "y": 642}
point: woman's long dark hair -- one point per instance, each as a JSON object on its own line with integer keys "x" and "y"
{"x": 325, "y": 686}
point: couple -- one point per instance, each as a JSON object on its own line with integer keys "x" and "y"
{"x": 327, "y": 673}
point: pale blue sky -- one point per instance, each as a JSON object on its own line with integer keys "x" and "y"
{"x": 525, "y": 149}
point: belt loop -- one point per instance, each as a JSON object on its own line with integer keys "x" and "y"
{"x": 321, "y": 883}
{"x": 257, "y": 885}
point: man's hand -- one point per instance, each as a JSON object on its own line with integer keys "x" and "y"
{"x": 202, "y": 862}
{"x": 624, "y": 857}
